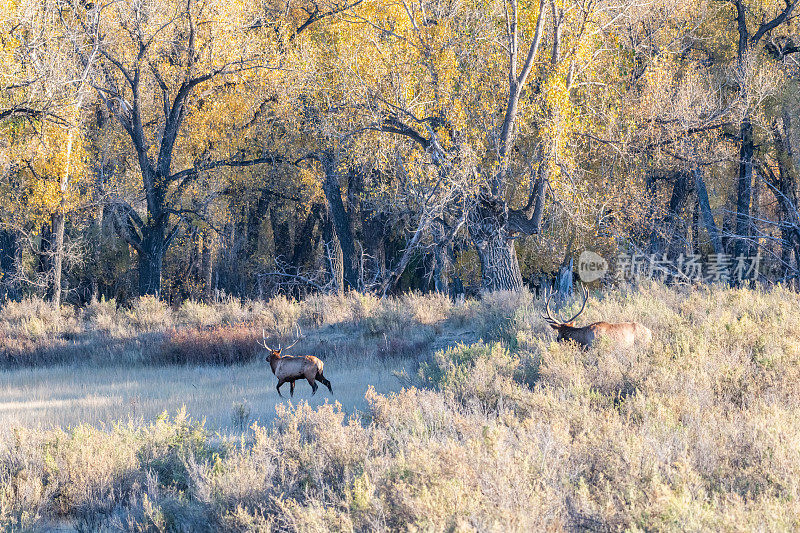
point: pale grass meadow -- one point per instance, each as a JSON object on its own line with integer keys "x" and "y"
{"x": 227, "y": 398}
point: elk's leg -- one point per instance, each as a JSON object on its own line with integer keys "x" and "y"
{"x": 325, "y": 382}
{"x": 280, "y": 382}
{"x": 313, "y": 385}
{"x": 291, "y": 388}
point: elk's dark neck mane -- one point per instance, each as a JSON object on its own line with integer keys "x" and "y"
{"x": 273, "y": 361}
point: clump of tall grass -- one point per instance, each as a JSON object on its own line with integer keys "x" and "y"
{"x": 102, "y": 315}
{"x": 198, "y": 314}
{"x": 149, "y": 314}
{"x": 280, "y": 315}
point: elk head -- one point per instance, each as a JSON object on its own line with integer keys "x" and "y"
{"x": 273, "y": 353}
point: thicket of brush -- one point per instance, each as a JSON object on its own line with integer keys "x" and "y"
{"x": 698, "y": 431}
{"x": 33, "y": 333}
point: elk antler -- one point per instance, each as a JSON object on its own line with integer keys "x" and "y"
{"x": 264, "y": 341}
{"x": 549, "y": 316}
{"x": 299, "y": 336}
{"x": 585, "y": 299}
{"x": 295, "y": 342}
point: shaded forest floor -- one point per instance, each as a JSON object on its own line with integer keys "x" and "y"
{"x": 495, "y": 427}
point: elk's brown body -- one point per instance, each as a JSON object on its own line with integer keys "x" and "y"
{"x": 623, "y": 334}
{"x": 293, "y": 367}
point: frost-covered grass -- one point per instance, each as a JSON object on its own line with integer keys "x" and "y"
{"x": 699, "y": 431}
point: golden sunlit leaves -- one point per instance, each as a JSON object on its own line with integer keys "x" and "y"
{"x": 42, "y": 158}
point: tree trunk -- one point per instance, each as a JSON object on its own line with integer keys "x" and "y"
{"x": 306, "y": 240}
{"x": 440, "y": 267}
{"x": 744, "y": 188}
{"x": 499, "y": 265}
{"x": 58, "y": 222}
{"x": 281, "y": 236}
{"x": 207, "y": 266}
{"x": 333, "y": 250}
{"x": 787, "y": 251}
{"x": 705, "y": 211}
{"x": 784, "y": 188}
{"x": 341, "y": 221}
{"x": 9, "y": 248}
{"x": 441, "y": 259}
{"x": 151, "y": 260}
{"x": 374, "y": 231}
{"x": 44, "y": 260}
{"x": 96, "y": 244}
{"x": 255, "y": 217}
{"x": 488, "y": 227}
{"x": 675, "y": 220}
{"x": 696, "y": 227}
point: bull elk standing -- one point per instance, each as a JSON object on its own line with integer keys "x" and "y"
{"x": 623, "y": 334}
{"x": 293, "y": 367}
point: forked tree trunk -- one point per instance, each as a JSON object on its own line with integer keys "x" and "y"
{"x": 488, "y": 227}
{"x": 499, "y": 264}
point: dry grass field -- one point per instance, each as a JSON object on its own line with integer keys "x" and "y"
{"x": 229, "y": 398}
{"x": 496, "y": 427}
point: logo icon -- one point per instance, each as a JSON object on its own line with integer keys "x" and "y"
{"x": 591, "y": 266}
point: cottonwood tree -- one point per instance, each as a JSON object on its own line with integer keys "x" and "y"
{"x": 776, "y": 164}
{"x": 164, "y": 67}
{"x": 706, "y": 84}
{"x": 487, "y": 95}
{"x": 43, "y": 96}
{"x": 755, "y": 24}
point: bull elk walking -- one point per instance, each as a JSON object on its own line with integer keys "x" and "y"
{"x": 293, "y": 367}
{"x": 623, "y": 334}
